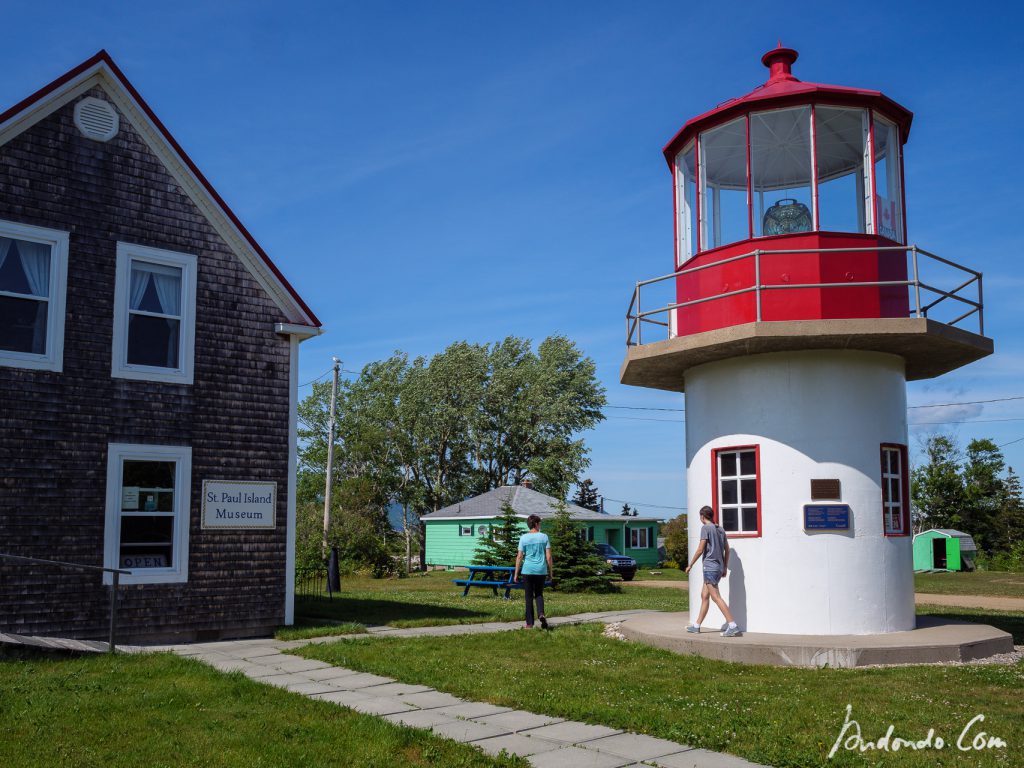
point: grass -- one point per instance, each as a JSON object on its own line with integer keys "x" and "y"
{"x": 992, "y": 583}
{"x": 777, "y": 716}
{"x": 150, "y": 711}
{"x": 650, "y": 573}
{"x": 432, "y": 599}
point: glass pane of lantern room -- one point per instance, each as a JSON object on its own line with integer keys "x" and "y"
{"x": 840, "y": 136}
{"x": 723, "y": 171}
{"x": 780, "y": 171}
{"x": 888, "y": 197}
{"x": 686, "y": 200}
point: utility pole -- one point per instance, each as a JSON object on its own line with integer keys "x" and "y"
{"x": 330, "y": 454}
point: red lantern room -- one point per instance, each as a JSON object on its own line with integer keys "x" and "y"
{"x": 790, "y": 208}
{"x": 791, "y": 167}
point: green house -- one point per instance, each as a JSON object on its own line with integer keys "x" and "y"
{"x": 944, "y": 549}
{"x": 453, "y": 533}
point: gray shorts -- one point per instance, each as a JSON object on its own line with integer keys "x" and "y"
{"x": 712, "y": 576}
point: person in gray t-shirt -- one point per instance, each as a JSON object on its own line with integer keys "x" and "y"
{"x": 714, "y": 546}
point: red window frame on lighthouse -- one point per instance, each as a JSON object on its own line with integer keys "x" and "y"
{"x": 717, "y": 485}
{"x": 895, "y": 509}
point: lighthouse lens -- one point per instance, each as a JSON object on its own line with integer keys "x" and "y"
{"x": 780, "y": 171}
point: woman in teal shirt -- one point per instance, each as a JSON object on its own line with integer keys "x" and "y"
{"x": 534, "y": 563}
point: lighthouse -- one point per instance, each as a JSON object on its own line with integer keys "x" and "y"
{"x": 795, "y": 314}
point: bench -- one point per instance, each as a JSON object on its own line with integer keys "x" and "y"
{"x": 491, "y": 576}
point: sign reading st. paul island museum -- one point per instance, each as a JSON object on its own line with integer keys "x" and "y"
{"x": 239, "y": 504}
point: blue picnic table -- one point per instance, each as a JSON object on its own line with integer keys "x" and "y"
{"x": 493, "y": 576}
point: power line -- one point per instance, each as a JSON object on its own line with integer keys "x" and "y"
{"x": 909, "y": 407}
{"x": 968, "y": 402}
{"x": 314, "y": 381}
{"x": 972, "y": 421}
{"x": 648, "y": 418}
{"x": 1003, "y": 445}
{"x": 642, "y": 408}
{"x": 641, "y": 504}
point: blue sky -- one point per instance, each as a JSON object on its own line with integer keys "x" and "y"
{"x": 428, "y": 172}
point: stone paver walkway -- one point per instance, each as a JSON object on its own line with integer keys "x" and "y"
{"x": 546, "y": 742}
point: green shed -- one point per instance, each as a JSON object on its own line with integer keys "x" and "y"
{"x": 453, "y": 533}
{"x": 943, "y": 549}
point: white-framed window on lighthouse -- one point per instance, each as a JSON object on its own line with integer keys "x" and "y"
{"x": 147, "y": 521}
{"x": 895, "y": 501}
{"x": 686, "y": 204}
{"x": 737, "y": 489}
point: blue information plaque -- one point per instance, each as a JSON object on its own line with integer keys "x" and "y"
{"x": 827, "y": 517}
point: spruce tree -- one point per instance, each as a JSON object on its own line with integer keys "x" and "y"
{"x": 577, "y": 565}
{"x": 587, "y": 496}
{"x": 502, "y": 545}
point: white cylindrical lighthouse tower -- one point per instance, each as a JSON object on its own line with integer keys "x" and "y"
{"x": 799, "y": 312}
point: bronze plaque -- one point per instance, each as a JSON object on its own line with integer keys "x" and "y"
{"x": 825, "y": 490}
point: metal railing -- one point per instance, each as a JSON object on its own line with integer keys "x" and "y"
{"x": 112, "y": 629}
{"x": 636, "y": 318}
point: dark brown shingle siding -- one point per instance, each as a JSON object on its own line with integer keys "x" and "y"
{"x": 55, "y": 427}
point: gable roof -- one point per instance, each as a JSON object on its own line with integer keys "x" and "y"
{"x": 525, "y": 501}
{"x": 966, "y": 540}
{"x": 101, "y": 70}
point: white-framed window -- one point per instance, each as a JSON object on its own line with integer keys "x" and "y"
{"x": 887, "y": 171}
{"x": 483, "y": 531}
{"x": 895, "y": 502}
{"x": 33, "y": 285}
{"x": 465, "y": 530}
{"x": 639, "y": 538}
{"x": 148, "y": 505}
{"x": 154, "y": 314}
{"x": 686, "y": 204}
{"x": 737, "y": 491}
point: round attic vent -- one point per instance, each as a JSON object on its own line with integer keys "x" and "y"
{"x": 96, "y": 119}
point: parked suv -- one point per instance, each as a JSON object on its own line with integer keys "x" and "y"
{"x": 620, "y": 564}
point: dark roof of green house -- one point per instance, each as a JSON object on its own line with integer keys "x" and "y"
{"x": 525, "y": 501}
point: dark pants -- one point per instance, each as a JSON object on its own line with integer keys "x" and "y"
{"x": 534, "y": 587}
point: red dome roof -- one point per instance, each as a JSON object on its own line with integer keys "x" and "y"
{"x": 782, "y": 89}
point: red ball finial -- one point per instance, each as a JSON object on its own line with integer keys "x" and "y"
{"x": 779, "y": 62}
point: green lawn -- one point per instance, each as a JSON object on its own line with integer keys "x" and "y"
{"x": 659, "y": 574}
{"x": 159, "y": 710}
{"x": 772, "y": 715}
{"x": 433, "y": 599}
{"x": 993, "y": 583}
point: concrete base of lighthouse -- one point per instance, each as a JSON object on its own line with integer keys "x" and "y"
{"x": 934, "y": 641}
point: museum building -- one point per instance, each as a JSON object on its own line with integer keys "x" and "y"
{"x": 148, "y": 381}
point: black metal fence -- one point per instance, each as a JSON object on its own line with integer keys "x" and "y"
{"x": 318, "y": 581}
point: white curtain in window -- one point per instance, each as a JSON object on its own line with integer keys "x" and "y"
{"x": 166, "y": 281}
{"x": 168, "y": 290}
{"x": 140, "y": 280}
{"x": 35, "y": 260}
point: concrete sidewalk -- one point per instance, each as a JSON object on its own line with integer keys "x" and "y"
{"x": 546, "y": 742}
